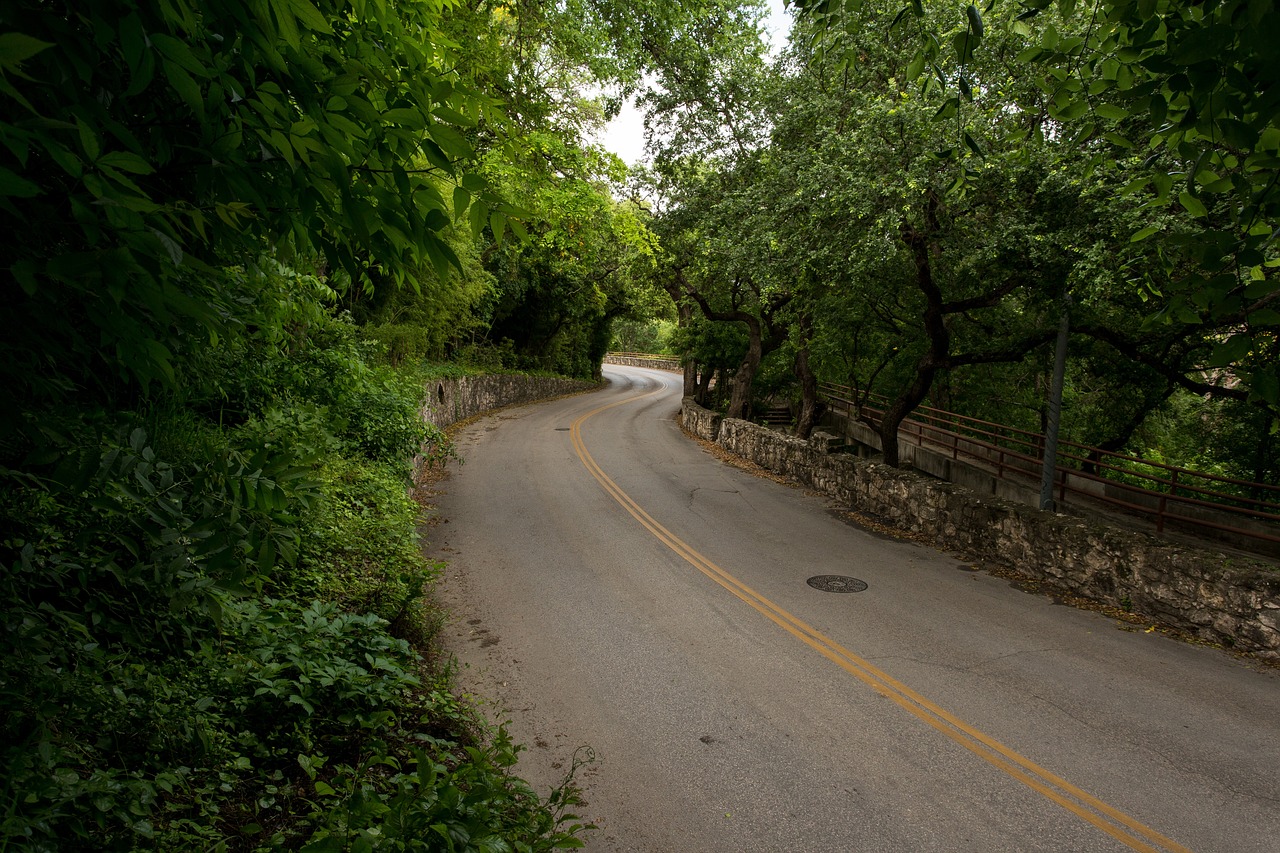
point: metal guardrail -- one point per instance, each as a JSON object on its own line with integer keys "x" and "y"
{"x": 1167, "y": 494}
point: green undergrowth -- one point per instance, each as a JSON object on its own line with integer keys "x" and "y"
{"x": 212, "y": 613}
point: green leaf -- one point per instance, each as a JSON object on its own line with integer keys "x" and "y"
{"x": 1111, "y": 111}
{"x": 1238, "y": 134}
{"x": 461, "y": 201}
{"x": 1259, "y": 285}
{"x": 1073, "y": 110}
{"x": 1049, "y": 39}
{"x": 126, "y": 161}
{"x": 477, "y": 216}
{"x": 133, "y": 41}
{"x": 975, "y": 20}
{"x": 310, "y": 16}
{"x": 1163, "y": 183}
{"x": 14, "y": 186}
{"x": 1192, "y": 204}
{"x": 186, "y": 87}
{"x": 916, "y": 67}
{"x": 178, "y": 52}
{"x": 436, "y": 156}
{"x": 16, "y": 48}
{"x": 1265, "y": 386}
{"x": 24, "y": 272}
{"x": 452, "y": 116}
{"x": 453, "y": 143}
{"x": 88, "y": 140}
{"x": 1232, "y": 350}
{"x": 410, "y": 117}
{"x": 964, "y": 43}
{"x": 171, "y": 246}
{"x": 441, "y": 255}
{"x": 1143, "y": 234}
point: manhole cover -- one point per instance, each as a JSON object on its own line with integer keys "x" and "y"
{"x": 836, "y": 583}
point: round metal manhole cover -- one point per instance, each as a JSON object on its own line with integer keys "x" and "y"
{"x": 836, "y": 583}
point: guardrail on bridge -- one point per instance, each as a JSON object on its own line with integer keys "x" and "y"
{"x": 1164, "y": 493}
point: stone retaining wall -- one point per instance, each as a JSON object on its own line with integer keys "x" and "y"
{"x": 1230, "y": 600}
{"x": 655, "y": 362}
{"x": 451, "y": 400}
{"x": 456, "y": 399}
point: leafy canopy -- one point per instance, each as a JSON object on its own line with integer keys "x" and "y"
{"x": 142, "y": 143}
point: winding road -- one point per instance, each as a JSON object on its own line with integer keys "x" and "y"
{"x": 621, "y": 595}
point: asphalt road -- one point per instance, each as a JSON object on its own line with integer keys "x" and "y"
{"x": 619, "y": 593}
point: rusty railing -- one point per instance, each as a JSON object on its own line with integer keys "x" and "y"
{"x": 1165, "y": 493}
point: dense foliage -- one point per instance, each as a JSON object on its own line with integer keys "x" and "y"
{"x": 910, "y": 197}
{"x": 206, "y": 606}
{"x": 230, "y": 235}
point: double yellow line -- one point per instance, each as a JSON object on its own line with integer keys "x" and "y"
{"x": 1106, "y": 818}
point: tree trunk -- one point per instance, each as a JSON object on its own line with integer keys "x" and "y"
{"x": 933, "y": 359}
{"x": 690, "y": 366}
{"x": 740, "y": 394}
{"x": 808, "y": 385}
{"x": 702, "y": 390}
{"x": 903, "y": 405}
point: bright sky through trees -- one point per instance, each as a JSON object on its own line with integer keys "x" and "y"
{"x": 624, "y": 135}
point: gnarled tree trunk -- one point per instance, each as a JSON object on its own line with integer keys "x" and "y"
{"x": 745, "y": 375}
{"x": 808, "y": 417}
{"x": 934, "y": 357}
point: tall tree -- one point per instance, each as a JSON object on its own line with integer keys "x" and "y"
{"x": 1181, "y": 95}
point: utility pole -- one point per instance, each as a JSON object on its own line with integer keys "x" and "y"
{"x": 1055, "y": 410}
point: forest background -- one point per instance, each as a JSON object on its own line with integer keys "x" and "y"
{"x": 239, "y": 238}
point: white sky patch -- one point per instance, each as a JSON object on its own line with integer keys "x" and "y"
{"x": 624, "y": 135}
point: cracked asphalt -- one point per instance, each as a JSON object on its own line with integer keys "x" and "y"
{"x": 706, "y": 725}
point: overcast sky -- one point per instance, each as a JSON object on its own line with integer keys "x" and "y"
{"x": 625, "y": 134}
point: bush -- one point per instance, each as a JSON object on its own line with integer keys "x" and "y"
{"x": 164, "y": 687}
{"x": 361, "y": 546}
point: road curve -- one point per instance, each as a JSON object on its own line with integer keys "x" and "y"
{"x": 614, "y": 587}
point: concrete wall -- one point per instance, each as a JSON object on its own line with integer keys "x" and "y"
{"x": 1230, "y": 600}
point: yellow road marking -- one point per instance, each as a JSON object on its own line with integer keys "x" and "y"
{"x": 1110, "y": 820}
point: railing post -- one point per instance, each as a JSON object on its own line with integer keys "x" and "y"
{"x": 1050, "y": 456}
{"x": 1164, "y": 502}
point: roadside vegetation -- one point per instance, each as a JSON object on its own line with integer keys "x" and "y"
{"x": 215, "y": 635}
{"x": 235, "y": 237}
